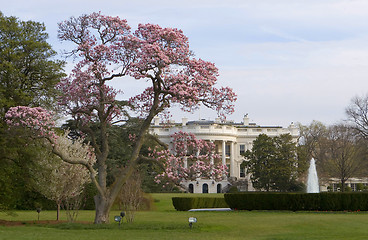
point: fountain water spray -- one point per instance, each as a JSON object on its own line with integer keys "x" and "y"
{"x": 312, "y": 183}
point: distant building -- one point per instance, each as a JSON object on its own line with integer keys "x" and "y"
{"x": 355, "y": 184}
{"x": 231, "y": 140}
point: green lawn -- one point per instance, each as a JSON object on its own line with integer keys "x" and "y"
{"x": 166, "y": 223}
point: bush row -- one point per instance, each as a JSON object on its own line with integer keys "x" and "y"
{"x": 298, "y": 201}
{"x": 187, "y": 203}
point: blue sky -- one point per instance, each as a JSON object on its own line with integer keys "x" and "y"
{"x": 288, "y": 60}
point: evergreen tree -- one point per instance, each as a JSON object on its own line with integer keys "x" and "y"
{"x": 261, "y": 162}
{"x": 273, "y": 163}
{"x": 28, "y": 74}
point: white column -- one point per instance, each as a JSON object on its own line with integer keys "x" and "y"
{"x": 211, "y": 157}
{"x": 224, "y": 153}
{"x": 224, "y": 157}
{"x": 185, "y": 162}
{"x": 232, "y": 163}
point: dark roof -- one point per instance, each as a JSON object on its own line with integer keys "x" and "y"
{"x": 201, "y": 122}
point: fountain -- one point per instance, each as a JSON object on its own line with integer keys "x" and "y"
{"x": 312, "y": 183}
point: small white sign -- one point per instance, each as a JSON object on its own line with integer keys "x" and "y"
{"x": 192, "y": 220}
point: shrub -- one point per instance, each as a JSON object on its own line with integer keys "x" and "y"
{"x": 31, "y": 200}
{"x": 298, "y": 201}
{"x": 233, "y": 189}
{"x": 360, "y": 187}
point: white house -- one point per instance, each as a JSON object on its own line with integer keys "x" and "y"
{"x": 231, "y": 140}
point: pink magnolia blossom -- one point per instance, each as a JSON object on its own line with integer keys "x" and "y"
{"x": 35, "y": 119}
{"x": 107, "y": 50}
{"x": 164, "y": 58}
{"x": 200, "y": 155}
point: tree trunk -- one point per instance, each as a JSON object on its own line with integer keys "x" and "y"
{"x": 342, "y": 185}
{"x": 58, "y": 211}
{"x": 103, "y": 206}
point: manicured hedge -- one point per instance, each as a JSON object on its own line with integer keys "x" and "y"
{"x": 298, "y": 201}
{"x": 187, "y": 203}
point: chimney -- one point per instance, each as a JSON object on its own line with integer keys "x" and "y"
{"x": 246, "y": 120}
{"x": 156, "y": 121}
{"x": 184, "y": 121}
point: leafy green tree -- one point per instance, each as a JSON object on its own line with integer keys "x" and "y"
{"x": 261, "y": 162}
{"x": 28, "y": 74}
{"x": 273, "y": 163}
{"x": 15, "y": 178}
{"x": 286, "y": 163}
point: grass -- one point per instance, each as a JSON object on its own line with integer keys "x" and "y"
{"x": 166, "y": 223}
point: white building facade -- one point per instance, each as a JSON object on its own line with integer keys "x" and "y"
{"x": 231, "y": 140}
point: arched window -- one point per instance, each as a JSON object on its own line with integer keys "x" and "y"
{"x": 191, "y": 188}
{"x": 219, "y": 188}
{"x": 205, "y": 188}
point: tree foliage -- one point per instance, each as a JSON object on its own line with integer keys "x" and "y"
{"x": 272, "y": 163}
{"x": 28, "y": 74}
{"x": 61, "y": 181}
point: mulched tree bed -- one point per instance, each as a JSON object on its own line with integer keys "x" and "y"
{"x": 34, "y": 222}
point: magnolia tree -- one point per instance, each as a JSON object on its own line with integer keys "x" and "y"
{"x": 64, "y": 182}
{"x": 107, "y": 50}
{"x": 189, "y": 159}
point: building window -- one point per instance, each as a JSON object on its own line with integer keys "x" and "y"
{"x": 335, "y": 187}
{"x": 353, "y": 187}
{"x": 242, "y": 169}
{"x": 242, "y": 172}
{"x": 205, "y": 188}
{"x": 242, "y": 149}
{"x": 219, "y": 188}
{"x": 191, "y": 188}
{"x": 271, "y": 130}
{"x": 227, "y": 150}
